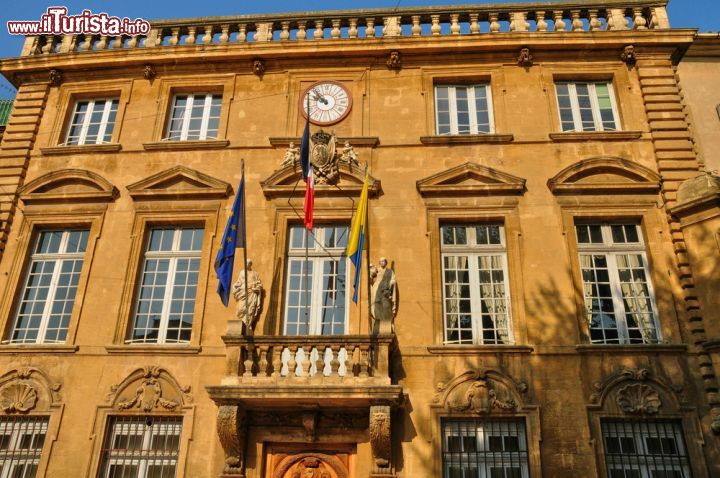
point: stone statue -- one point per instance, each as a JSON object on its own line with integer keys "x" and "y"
{"x": 292, "y": 156}
{"x": 248, "y": 310}
{"x": 349, "y": 155}
{"x": 383, "y": 294}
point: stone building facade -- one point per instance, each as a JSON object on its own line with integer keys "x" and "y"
{"x": 526, "y": 168}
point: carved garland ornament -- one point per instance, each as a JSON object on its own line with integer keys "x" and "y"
{"x": 311, "y": 465}
{"x": 478, "y": 392}
{"x": 153, "y": 387}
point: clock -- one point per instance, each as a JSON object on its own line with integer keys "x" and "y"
{"x": 330, "y": 102}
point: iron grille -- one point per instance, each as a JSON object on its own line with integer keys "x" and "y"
{"x": 141, "y": 447}
{"x": 21, "y": 443}
{"x": 485, "y": 449}
{"x": 645, "y": 449}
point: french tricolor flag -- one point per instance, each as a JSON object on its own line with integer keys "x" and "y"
{"x": 307, "y": 172}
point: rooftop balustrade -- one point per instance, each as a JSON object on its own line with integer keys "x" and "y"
{"x": 372, "y": 25}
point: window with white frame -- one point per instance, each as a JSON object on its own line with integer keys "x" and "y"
{"x": 485, "y": 449}
{"x": 463, "y": 109}
{"x": 48, "y": 294}
{"x": 194, "y": 117}
{"x": 587, "y": 106}
{"x": 476, "y": 295}
{"x": 21, "y": 443}
{"x": 315, "y": 298}
{"x": 92, "y": 121}
{"x": 141, "y": 447}
{"x": 619, "y": 300}
{"x": 645, "y": 449}
{"x": 167, "y": 286}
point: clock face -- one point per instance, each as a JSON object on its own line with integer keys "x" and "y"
{"x": 329, "y": 102}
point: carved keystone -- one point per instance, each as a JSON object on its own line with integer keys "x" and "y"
{"x": 381, "y": 440}
{"x": 232, "y": 430}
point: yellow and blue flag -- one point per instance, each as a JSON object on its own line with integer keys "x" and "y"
{"x": 233, "y": 238}
{"x": 358, "y": 231}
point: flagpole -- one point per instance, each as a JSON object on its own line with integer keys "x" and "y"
{"x": 248, "y": 326}
{"x": 307, "y": 302}
{"x": 367, "y": 263}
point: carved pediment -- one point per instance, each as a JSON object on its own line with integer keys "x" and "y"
{"x": 471, "y": 179}
{"x": 148, "y": 389}
{"x": 605, "y": 175}
{"x": 287, "y": 182}
{"x": 635, "y": 392}
{"x": 179, "y": 182}
{"x": 27, "y": 389}
{"x": 69, "y": 185}
{"x": 480, "y": 392}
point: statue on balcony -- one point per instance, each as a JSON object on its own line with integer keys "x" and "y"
{"x": 383, "y": 293}
{"x": 248, "y": 298}
{"x": 349, "y": 156}
{"x": 292, "y": 156}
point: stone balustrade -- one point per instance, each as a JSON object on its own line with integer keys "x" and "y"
{"x": 309, "y": 359}
{"x": 372, "y": 24}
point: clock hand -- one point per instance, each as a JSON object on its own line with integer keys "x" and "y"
{"x": 319, "y": 97}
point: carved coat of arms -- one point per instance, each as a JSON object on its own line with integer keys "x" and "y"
{"x": 323, "y": 158}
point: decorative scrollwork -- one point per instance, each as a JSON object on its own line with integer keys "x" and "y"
{"x": 18, "y": 397}
{"x": 638, "y": 398}
{"x": 154, "y": 388}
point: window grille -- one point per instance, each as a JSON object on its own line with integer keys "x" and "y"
{"x": 485, "y": 449}
{"x": 463, "y": 109}
{"x": 92, "y": 121}
{"x": 194, "y": 117}
{"x": 21, "y": 443}
{"x": 141, "y": 447}
{"x": 587, "y": 106}
{"x": 645, "y": 449}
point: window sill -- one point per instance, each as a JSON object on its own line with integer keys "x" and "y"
{"x": 184, "y": 145}
{"x": 596, "y": 136}
{"x": 149, "y": 349}
{"x": 467, "y": 138}
{"x": 478, "y": 349}
{"x": 631, "y": 349}
{"x": 81, "y": 149}
{"x": 38, "y": 349}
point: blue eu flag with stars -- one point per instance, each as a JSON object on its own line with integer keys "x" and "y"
{"x": 233, "y": 238}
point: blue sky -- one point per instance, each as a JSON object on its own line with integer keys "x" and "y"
{"x": 702, "y": 14}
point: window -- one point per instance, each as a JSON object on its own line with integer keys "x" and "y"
{"x": 48, "y": 295}
{"x": 476, "y": 298}
{"x": 92, "y": 122}
{"x": 168, "y": 284}
{"x": 587, "y": 106}
{"x": 618, "y": 295}
{"x": 645, "y": 450}
{"x": 315, "y": 300}
{"x": 463, "y": 109}
{"x": 484, "y": 449}
{"x": 141, "y": 447}
{"x": 21, "y": 443}
{"x": 194, "y": 117}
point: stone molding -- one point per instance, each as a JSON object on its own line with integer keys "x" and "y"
{"x": 179, "y": 182}
{"x": 605, "y": 175}
{"x": 636, "y": 391}
{"x": 284, "y": 183}
{"x": 81, "y": 149}
{"x": 366, "y": 141}
{"x": 69, "y": 185}
{"x": 149, "y": 389}
{"x": 27, "y": 389}
{"x": 186, "y": 145}
{"x": 470, "y": 179}
{"x": 467, "y": 138}
{"x": 595, "y": 136}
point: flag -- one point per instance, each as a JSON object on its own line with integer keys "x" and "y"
{"x": 234, "y": 237}
{"x": 358, "y": 230}
{"x": 307, "y": 172}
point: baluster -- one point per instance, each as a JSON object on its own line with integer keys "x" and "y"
{"x": 435, "y": 29}
{"x": 474, "y": 25}
{"x": 577, "y": 24}
{"x": 334, "y": 361}
{"x": 242, "y": 33}
{"x": 263, "y": 362}
{"x": 175, "y": 38}
{"x": 519, "y": 24}
{"x": 320, "y": 361}
{"x": 73, "y": 43}
{"x": 118, "y": 41}
{"x": 133, "y": 41}
{"x": 191, "y": 38}
{"x": 285, "y": 33}
{"x": 302, "y": 32}
{"x": 393, "y": 26}
{"x": 660, "y": 18}
{"x": 416, "y": 29}
{"x": 364, "y": 361}
{"x": 154, "y": 38}
{"x": 319, "y": 33}
{"x": 350, "y": 360}
{"x": 102, "y": 44}
{"x": 639, "y": 22}
{"x": 207, "y": 37}
{"x": 225, "y": 33}
{"x": 335, "y": 32}
{"x": 292, "y": 363}
{"x": 353, "y": 31}
{"x": 494, "y": 25}
{"x": 616, "y": 19}
{"x": 47, "y": 47}
{"x": 249, "y": 361}
{"x": 277, "y": 351}
{"x": 542, "y": 25}
{"x": 559, "y": 22}
{"x": 595, "y": 24}
{"x": 306, "y": 363}
{"x": 87, "y": 44}
{"x": 454, "y": 24}
{"x": 370, "y": 28}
